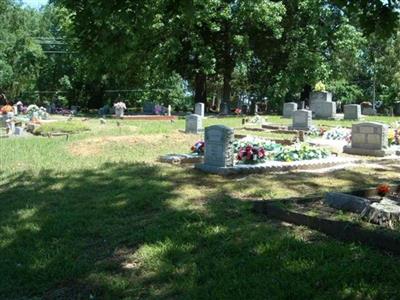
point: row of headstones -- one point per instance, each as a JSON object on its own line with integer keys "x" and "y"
{"x": 321, "y": 106}
{"x": 351, "y": 111}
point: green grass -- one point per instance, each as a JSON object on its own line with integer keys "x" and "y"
{"x": 97, "y": 217}
{"x": 62, "y": 127}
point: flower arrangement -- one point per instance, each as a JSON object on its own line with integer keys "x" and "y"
{"x": 383, "y": 189}
{"x": 238, "y": 111}
{"x": 315, "y": 131}
{"x": 251, "y": 154}
{"x": 251, "y": 150}
{"x": 198, "y": 148}
{"x": 158, "y": 110}
{"x": 338, "y": 134}
{"x": 35, "y": 112}
{"x": 120, "y": 105}
{"x": 394, "y": 136}
{"x": 301, "y": 152}
{"x": 7, "y": 109}
{"x": 320, "y": 87}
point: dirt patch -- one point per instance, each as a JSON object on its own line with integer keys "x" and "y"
{"x": 95, "y": 146}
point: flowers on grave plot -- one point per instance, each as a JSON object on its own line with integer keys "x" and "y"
{"x": 159, "y": 110}
{"x": 338, "y": 134}
{"x": 301, "y": 152}
{"x": 383, "y": 189}
{"x": 251, "y": 154}
{"x": 238, "y": 111}
{"x": 198, "y": 148}
{"x": 320, "y": 87}
{"x": 34, "y": 112}
{"x": 252, "y": 150}
{"x": 315, "y": 131}
{"x": 120, "y": 106}
{"x": 394, "y": 136}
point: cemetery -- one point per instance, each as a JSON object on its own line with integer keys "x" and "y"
{"x": 199, "y": 149}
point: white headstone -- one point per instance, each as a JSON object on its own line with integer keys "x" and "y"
{"x": 219, "y": 147}
{"x": 194, "y": 124}
{"x": 289, "y": 108}
{"x": 199, "y": 109}
{"x": 352, "y": 112}
{"x": 302, "y": 120}
{"x": 169, "y": 110}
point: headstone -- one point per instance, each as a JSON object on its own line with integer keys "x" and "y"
{"x": 119, "y": 112}
{"x": 219, "y": 147}
{"x": 148, "y": 108}
{"x": 302, "y": 120}
{"x": 324, "y": 110}
{"x": 322, "y": 106}
{"x": 352, "y": 112}
{"x": 194, "y": 124}
{"x": 396, "y": 109}
{"x": 18, "y": 131}
{"x": 245, "y": 109}
{"x": 370, "y": 139}
{"x": 289, "y": 109}
{"x": 369, "y": 111}
{"x": 199, "y": 109}
{"x": 169, "y": 110}
{"x": 225, "y": 108}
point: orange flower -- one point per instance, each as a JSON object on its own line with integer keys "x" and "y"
{"x": 383, "y": 189}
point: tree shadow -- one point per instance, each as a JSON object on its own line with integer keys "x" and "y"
{"x": 125, "y": 231}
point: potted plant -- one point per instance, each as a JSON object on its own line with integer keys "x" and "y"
{"x": 120, "y": 108}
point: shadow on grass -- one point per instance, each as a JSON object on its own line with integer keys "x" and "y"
{"x": 125, "y": 230}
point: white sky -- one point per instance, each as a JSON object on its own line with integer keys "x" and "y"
{"x": 35, "y": 3}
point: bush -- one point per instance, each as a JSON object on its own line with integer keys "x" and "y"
{"x": 62, "y": 127}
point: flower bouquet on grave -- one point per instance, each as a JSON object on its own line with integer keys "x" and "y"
{"x": 238, "y": 111}
{"x": 320, "y": 87}
{"x": 251, "y": 155}
{"x": 301, "y": 152}
{"x": 338, "y": 134}
{"x": 394, "y": 136}
{"x": 383, "y": 189}
{"x": 198, "y": 148}
{"x": 159, "y": 110}
{"x": 120, "y": 105}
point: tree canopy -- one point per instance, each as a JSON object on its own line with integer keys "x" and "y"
{"x": 91, "y": 51}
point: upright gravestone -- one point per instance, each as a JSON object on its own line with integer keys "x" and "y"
{"x": 194, "y": 124}
{"x": 370, "y": 139}
{"x": 218, "y": 149}
{"x": 322, "y": 106}
{"x": 396, "y": 109}
{"x": 289, "y": 108}
{"x": 169, "y": 111}
{"x": 149, "y": 108}
{"x": 302, "y": 120}
{"x": 352, "y": 112}
{"x": 199, "y": 109}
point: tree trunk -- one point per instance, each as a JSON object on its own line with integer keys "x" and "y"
{"x": 200, "y": 88}
{"x": 226, "y": 93}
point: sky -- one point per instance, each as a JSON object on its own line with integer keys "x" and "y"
{"x": 35, "y": 3}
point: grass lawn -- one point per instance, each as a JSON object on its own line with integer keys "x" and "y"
{"x": 96, "y": 216}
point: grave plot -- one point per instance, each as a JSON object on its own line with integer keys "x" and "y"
{"x": 225, "y": 156}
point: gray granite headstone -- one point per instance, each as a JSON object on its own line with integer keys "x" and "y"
{"x": 289, "y": 108}
{"x": 396, "y": 109}
{"x": 219, "y": 147}
{"x": 194, "y": 124}
{"x": 352, "y": 112}
{"x": 369, "y": 111}
{"x": 302, "y": 120}
{"x": 199, "y": 109}
{"x": 322, "y": 106}
{"x": 369, "y": 139}
{"x": 148, "y": 108}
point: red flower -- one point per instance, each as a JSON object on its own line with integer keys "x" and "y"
{"x": 383, "y": 189}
